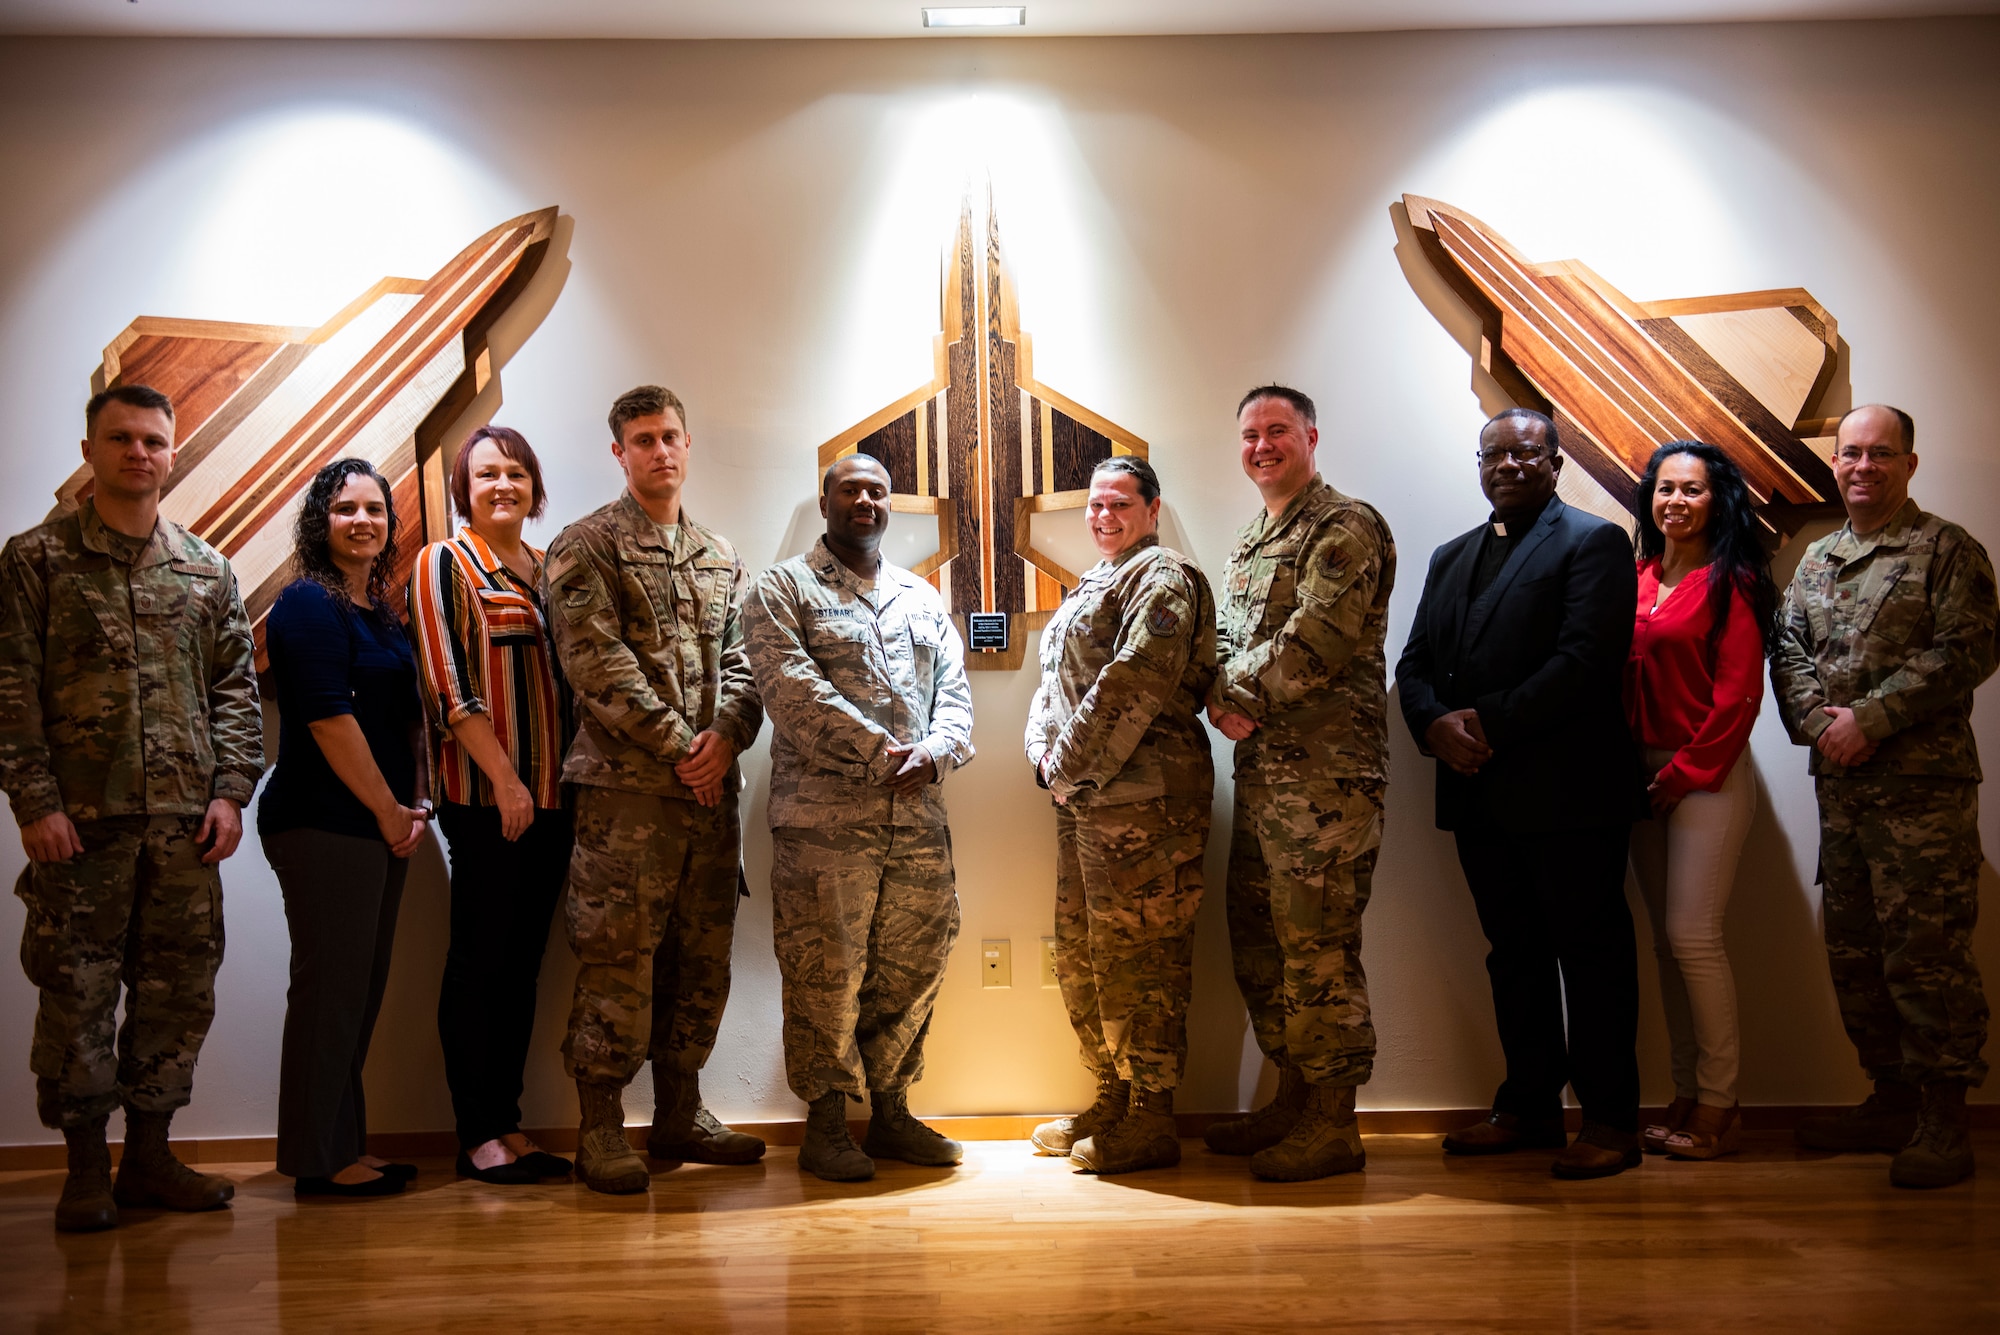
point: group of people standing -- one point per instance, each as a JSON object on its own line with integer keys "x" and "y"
{"x": 578, "y": 714}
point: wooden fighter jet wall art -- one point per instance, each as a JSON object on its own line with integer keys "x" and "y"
{"x": 1745, "y": 372}
{"x": 985, "y": 447}
{"x": 258, "y": 409}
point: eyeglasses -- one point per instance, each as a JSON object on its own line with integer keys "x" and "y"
{"x": 1520, "y": 454}
{"x": 1852, "y": 456}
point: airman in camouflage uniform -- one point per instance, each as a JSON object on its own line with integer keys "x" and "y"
{"x": 864, "y": 678}
{"x": 1301, "y": 688}
{"x": 646, "y": 614}
{"x": 1115, "y": 735}
{"x": 130, "y": 738}
{"x": 1887, "y": 628}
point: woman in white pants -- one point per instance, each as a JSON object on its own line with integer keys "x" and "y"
{"x": 1693, "y": 685}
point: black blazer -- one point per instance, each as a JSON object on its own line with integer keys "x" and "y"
{"x": 1541, "y": 655}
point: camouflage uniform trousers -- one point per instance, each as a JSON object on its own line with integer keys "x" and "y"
{"x": 136, "y": 908}
{"x": 1301, "y": 861}
{"x": 1126, "y": 900}
{"x": 651, "y": 909}
{"x": 1899, "y": 863}
{"x": 864, "y": 918}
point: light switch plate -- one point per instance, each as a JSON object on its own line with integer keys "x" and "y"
{"x": 996, "y": 963}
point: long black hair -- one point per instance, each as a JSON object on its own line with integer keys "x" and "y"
{"x": 312, "y": 553}
{"x": 1737, "y": 560}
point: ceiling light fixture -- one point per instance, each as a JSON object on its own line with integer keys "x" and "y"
{"x": 977, "y": 16}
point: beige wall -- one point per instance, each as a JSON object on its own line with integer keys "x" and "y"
{"x": 758, "y": 226}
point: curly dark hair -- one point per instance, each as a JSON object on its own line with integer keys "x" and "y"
{"x": 312, "y": 553}
{"x": 1738, "y": 562}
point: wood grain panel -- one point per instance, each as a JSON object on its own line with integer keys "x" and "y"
{"x": 895, "y": 445}
{"x": 198, "y": 374}
{"x": 1078, "y": 451}
{"x": 1624, "y": 378}
{"x": 1003, "y": 440}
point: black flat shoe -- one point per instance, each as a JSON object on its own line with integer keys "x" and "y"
{"x": 402, "y": 1172}
{"x": 500, "y": 1175}
{"x": 544, "y": 1165}
{"x": 326, "y": 1186}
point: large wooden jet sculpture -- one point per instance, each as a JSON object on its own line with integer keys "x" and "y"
{"x": 259, "y": 408}
{"x": 1745, "y": 372}
{"x": 985, "y": 447}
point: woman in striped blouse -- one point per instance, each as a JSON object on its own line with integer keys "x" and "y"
{"x": 499, "y": 721}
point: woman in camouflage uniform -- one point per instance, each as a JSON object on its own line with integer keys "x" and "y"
{"x": 1115, "y": 735}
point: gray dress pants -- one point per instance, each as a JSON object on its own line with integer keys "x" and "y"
{"x": 341, "y": 897}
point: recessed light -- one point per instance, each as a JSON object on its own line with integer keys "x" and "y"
{"x": 977, "y": 16}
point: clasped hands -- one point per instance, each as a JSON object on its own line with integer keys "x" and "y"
{"x": 706, "y": 768}
{"x": 915, "y": 769}
{"x": 1842, "y": 741}
{"x": 1459, "y": 740}
{"x": 1236, "y": 727}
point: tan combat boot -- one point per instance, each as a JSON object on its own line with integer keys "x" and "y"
{"x": 1884, "y": 1122}
{"x": 150, "y": 1176}
{"x": 894, "y": 1134}
{"x": 1269, "y": 1124}
{"x": 1940, "y": 1153}
{"x": 685, "y": 1130}
{"x": 1145, "y": 1137}
{"x": 1326, "y": 1140}
{"x": 1060, "y": 1136}
{"x": 86, "y": 1205}
{"x": 605, "y": 1160}
{"x": 829, "y": 1151}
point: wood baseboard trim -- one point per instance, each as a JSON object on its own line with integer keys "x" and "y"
{"x": 562, "y": 1140}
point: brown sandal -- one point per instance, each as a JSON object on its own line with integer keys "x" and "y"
{"x": 1653, "y": 1139}
{"x": 1709, "y": 1133}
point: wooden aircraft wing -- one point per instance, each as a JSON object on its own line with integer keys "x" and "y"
{"x": 259, "y": 409}
{"x": 1744, "y": 372}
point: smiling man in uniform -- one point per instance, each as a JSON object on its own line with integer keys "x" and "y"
{"x": 1302, "y": 691}
{"x": 1887, "y": 627}
{"x": 863, "y": 675}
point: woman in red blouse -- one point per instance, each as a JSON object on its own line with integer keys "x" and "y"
{"x": 499, "y": 723}
{"x": 1693, "y": 684}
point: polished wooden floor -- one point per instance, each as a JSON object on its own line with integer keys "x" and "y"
{"x": 1769, "y": 1240}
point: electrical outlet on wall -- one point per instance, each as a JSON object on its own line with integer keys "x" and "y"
{"x": 997, "y": 963}
{"x": 1049, "y": 962}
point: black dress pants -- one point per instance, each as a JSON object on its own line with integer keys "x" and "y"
{"x": 503, "y": 897}
{"x": 341, "y": 897}
{"x": 1553, "y": 908}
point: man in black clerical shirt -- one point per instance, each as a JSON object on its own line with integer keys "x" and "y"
{"x": 1511, "y": 679}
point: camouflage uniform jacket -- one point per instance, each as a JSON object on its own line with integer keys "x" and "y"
{"x": 651, "y": 642}
{"x": 1899, "y": 626}
{"x": 1126, "y": 666}
{"x": 845, "y": 671}
{"x": 1305, "y": 609}
{"x": 127, "y": 686}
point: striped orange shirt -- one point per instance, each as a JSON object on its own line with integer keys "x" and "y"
{"x": 483, "y": 647}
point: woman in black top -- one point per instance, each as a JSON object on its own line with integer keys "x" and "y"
{"x": 343, "y": 812}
